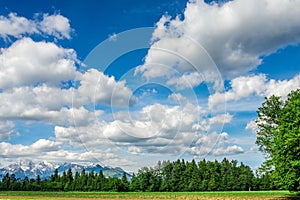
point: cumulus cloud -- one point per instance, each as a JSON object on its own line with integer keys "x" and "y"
{"x": 16, "y": 26}
{"x": 100, "y": 88}
{"x": 187, "y": 80}
{"x": 214, "y": 144}
{"x": 54, "y": 25}
{"x": 52, "y": 151}
{"x": 15, "y": 150}
{"x": 245, "y": 86}
{"x": 220, "y": 119}
{"x": 48, "y": 104}
{"x": 241, "y": 33}
{"x": 27, "y": 62}
{"x": 170, "y": 130}
{"x": 179, "y": 98}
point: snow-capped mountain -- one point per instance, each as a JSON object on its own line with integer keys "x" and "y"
{"x": 46, "y": 169}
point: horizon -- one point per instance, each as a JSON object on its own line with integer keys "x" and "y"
{"x": 128, "y": 83}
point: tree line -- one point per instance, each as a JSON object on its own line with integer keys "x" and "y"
{"x": 173, "y": 176}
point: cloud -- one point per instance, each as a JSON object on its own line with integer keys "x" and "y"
{"x": 187, "y": 80}
{"x": 45, "y": 145}
{"x": 16, "y": 26}
{"x": 214, "y": 144}
{"x": 179, "y": 98}
{"x": 42, "y": 103}
{"x": 52, "y": 25}
{"x": 242, "y": 32}
{"x": 259, "y": 85}
{"x": 27, "y": 62}
{"x": 220, "y": 119}
{"x": 52, "y": 151}
{"x": 134, "y": 150}
{"x": 18, "y": 150}
{"x": 282, "y": 87}
{"x": 165, "y": 125}
{"x": 170, "y": 130}
{"x": 159, "y": 120}
{"x": 100, "y": 88}
{"x": 56, "y": 25}
{"x": 49, "y": 103}
{"x": 230, "y": 150}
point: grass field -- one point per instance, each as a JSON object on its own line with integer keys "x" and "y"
{"x": 149, "y": 195}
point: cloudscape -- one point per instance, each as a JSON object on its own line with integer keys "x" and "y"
{"x": 128, "y": 83}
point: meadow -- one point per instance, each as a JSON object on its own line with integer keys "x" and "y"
{"x": 251, "y": 195}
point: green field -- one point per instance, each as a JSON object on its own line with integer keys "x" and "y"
{"x": 148, "y": 195}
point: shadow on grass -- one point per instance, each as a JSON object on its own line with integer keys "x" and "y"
{"x": 292, "y": 197}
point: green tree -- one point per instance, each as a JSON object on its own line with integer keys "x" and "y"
{"x": 124, "y": 183}
{"x": 144, "y": 178}
{"x": 100, "y": 181}
{"x": 278, "y": 136}
{"x": 267, "y": 123}
{"x": 287, "y": 144}
{"x": 134, "y": 184}
{"x": 6, "y": 182}
{"x": 192, "y": 178}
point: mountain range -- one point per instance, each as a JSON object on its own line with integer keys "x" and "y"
{"x": 45, "y": 169}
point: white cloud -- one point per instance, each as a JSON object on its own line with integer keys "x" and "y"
{"x": 52, "y": 151}
{"x": 164, "y": 125}
{"x": 241, "y": 87}
{"x": 45, "y": 145}
{"x": 170, "y": 130}
{"x": 27, "y": 62}
{"x": 241, "y": 33}
{"x": 282, "y": 87}
{"x": 55, "y": 25}
{"x": 99, "y": 88}
{"x": 214, "y": 144}
{"x": 177, "y": 97}
{"x": 187, "y": 80}
{"x": 230, "y": 150}
{"x": 134, "y": 150}
{"x": 48, "y": 104}
{"x": 16, "y": 26}
{"x": 259, "y": 85}
{"x": 18, "y": 150}
{"x": 220, "y": 119}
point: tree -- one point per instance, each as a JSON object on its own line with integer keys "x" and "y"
{"x": 278, "y": 136}
{"x": 287, "y": 143}
{"x": 124, "y": 183}
{"x": 267, "y": 123}
{"x": 134, "y": 184}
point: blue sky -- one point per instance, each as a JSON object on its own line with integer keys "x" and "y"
{"x": 128, "y": 83}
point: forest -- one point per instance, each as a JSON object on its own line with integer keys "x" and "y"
{"x": 176, "y": 176}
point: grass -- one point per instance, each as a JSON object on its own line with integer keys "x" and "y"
{"x": 147, "y": 195}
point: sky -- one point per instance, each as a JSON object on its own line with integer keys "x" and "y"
{"x": 128, "y": 83}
